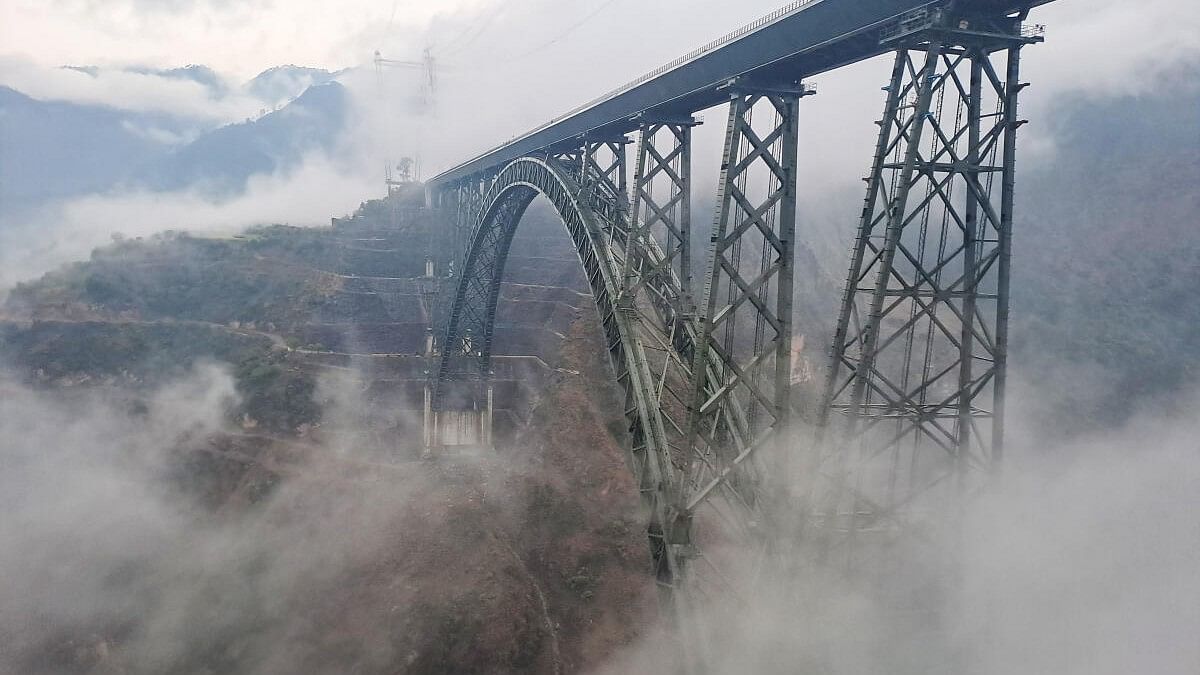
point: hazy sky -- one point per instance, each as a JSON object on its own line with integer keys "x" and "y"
{"x": 504, "y": 66}
{"x": 238, "y": 37}
{"x": 246, "y": 36}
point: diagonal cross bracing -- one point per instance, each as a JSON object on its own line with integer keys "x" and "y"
{"x": 921, "y": 340}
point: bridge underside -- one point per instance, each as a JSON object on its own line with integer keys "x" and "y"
{"x": 911, "y": 420}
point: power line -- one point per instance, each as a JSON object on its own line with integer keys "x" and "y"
{"x": 392, "y": 17}
{"x": 570, "y": 29}
{"x": 478, "y": 28}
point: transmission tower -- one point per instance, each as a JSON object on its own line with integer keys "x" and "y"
{"x": 409, "y": 170}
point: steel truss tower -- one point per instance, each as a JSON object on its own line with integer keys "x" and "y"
{"x": 664, "y": 165}
{"x": 912, "y": 415}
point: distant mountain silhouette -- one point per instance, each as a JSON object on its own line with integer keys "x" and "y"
{"x": 52, "y": 150}
{"x": 196, "y": 73}
{"x": 282, "y": 83}
{"x": 221, "y": 161}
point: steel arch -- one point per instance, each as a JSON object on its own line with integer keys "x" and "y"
{"x": 467, "y": 340}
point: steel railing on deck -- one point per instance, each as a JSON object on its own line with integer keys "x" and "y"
{"x": 1035, "y": 30}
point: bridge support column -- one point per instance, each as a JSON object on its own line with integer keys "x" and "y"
{"x": 485, "y": 418}
{"x": 741, "y": 372}
{"x": 664, "y": 165}
{"x": 468, "y": 424}
{"x": 604, "y": 167}
{"x": 599, "y": 165}
{"x": 468, "y": 206}
{"x": 911, "y": 415}
{"x": 428, "y": 421}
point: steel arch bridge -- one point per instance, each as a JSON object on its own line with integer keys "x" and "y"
{"x": 911, "y": 420}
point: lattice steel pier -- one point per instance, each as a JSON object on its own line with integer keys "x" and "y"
{"x": 914, "y": 405}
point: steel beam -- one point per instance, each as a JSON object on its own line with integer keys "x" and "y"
{"x": 741, "y": 366}
{"x": 603, "y": 176}
{"x": 662, "y": 211}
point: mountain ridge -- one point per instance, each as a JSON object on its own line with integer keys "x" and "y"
{"x": 41, "y": 162}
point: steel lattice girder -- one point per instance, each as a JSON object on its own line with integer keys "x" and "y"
{"x": 604, "y": 167}
{"x": 664, "y": 219}
{"x": 601, "y": 168}
{"x": 741, "y": 383}
{"x": 468, "y": 205}
{"x": 913, "y": 407}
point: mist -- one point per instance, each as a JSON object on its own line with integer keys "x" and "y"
{"x": 130, "y": 89}
{"x": 141, "y": 536}
{"x": 1081, "y": 560}
{"x": 69, "y": 231}
{"x": 150, "y": 525}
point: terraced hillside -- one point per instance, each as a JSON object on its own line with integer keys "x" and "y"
{"x": 358, "y": 555}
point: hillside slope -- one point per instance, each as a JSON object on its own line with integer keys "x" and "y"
{"x": 308, "y": 535}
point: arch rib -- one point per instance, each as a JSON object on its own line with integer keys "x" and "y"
{"x": 467, "y": 340}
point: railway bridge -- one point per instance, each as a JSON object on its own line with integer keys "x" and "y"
{"x": 911, "y": 420}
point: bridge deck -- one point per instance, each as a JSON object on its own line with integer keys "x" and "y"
{"x": 800, "y": 39}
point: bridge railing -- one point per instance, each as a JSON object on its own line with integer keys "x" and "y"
{"x": 1035, "y": 30}
{"x": 719, "y": 42}
{"x": 695, "y": 53}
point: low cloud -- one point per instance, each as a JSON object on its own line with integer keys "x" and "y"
{"x": 140, "y": 536}
{"x": 1081, "y": 561}
{"x": 80, "y": 503}
{"x": 126, "y": 89}
{"x": 307, "y": 195}
{"x": 1084, "y": 562}
{"x": 1111, "y": 48}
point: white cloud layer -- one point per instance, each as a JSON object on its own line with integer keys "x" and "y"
{"x": 126, "y": 90}
{"x": 1081, "y": 562}
{"x": 70, "y": 231}
{"x": 241, "y": 38}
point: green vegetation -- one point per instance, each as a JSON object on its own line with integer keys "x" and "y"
{"x": 279, "y": 396}
{"x": 275, "y": 393}
{"x": 1104, "y": 310}
{"x": 144, "y": 353}
{"x": 270, "y": 276}
{"x": 143, "y": 310}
